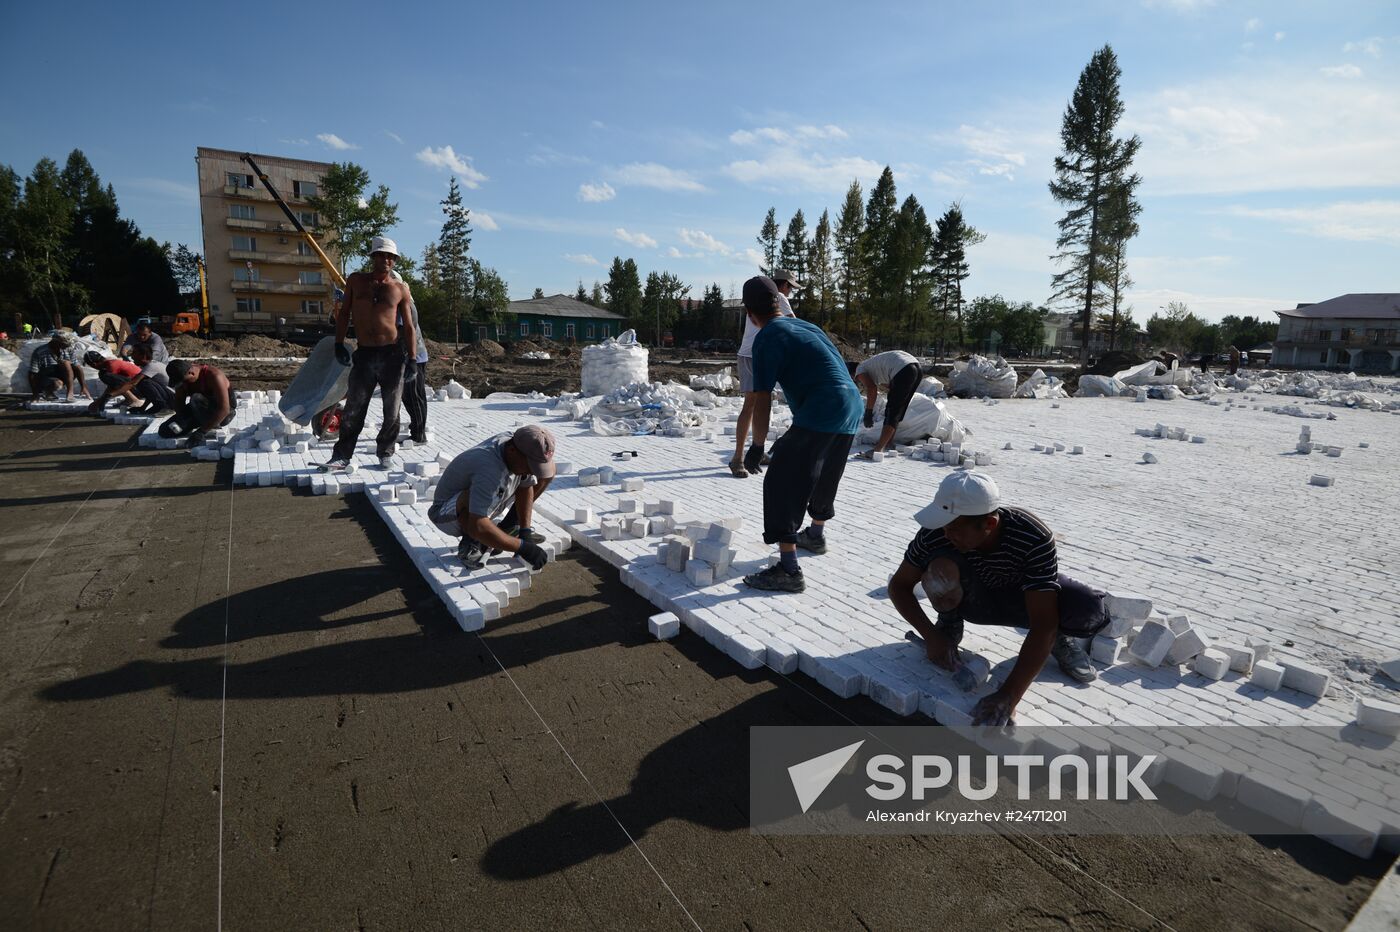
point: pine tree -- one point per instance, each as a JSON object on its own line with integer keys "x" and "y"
{"x": 910, "y": 249}
{"x": 952, "y": 236}
{"x": 595, "y": 297}
{"x": 712, "y": 312}
{"x": 880, "y": 272}
{"x": 820, "y": 290}
{"x": 456, "y": 268}
{"x": 1120, "y": 225}
{"x": 1093, "y": 166}
{"x": 661, "y": 302}
{"x": 431, "y": 268}
{"x": 792, "y": 255}
{"x": 539, "y": 293}
{"x": 768, "y": 241}
{"x": 42, "y": 254}
{"x": 624, "y": 289}
{"x": 581, "y": 295}
{"x": 850, "y": 233}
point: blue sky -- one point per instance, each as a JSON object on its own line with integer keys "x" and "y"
{"x": 1271, "y": 131}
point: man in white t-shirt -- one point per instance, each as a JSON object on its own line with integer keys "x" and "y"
{"x": 753, "y": 462}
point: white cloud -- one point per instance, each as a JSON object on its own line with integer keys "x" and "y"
{"x": 1263, "y": 132}
{"x": 1353, "y": 221}
{"x": 394, "y": 136}
{"x": 1278, "y": 36}
{"x": 1180, "y": 6}
{"x": 699, "y": 239}
{"x": 1341, "y": 71}
{"x": 1370, "y": 46}
{"x": 582, "y": 258}
{"x": 295, "y": 142}
{"x": 797, "y": 171}
{"x": 333, "y": 141}
{"x": 460, "y": 165}
{"x": 1251, "y": 24}
{"x": 481, "y": 220}
{"x": 652, "y": 175}
{"x": 591, "y": 193}
{"x": 640, "y": 240}
{"x": 802, "y": 133}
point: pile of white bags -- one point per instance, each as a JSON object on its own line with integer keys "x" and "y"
{"x": 924, "y": 418}
{"x": 982, "y": 377}
{"x": 931, "y": 387}
{"x": 1101, "y": 386}
{"x": 1040, "y": 385}
{"x": 613, "y": 364}
{"x": 721, "y": 381}
{"x": 650, "y": 408}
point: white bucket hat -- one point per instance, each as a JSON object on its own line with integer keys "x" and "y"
{"x": 384, "y": 244}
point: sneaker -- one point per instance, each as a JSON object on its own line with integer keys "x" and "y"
{"x": 386, "y": 462}
{"x": 810, "y": 543}
{"x": 471, "y": 553}
{"x": 514, "y": 531}
{"x": 419, "y": 439}
{"x": 1069, "y": 653}
{"x": 951, "y": 628}
{"x": 737, "y": 470}
{"x": 753, "y": 461}
{"x": 339, "y": 466}
{"x": 776, "y": 579}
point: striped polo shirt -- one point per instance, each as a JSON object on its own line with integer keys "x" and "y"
{"x": 1024, "y": 556}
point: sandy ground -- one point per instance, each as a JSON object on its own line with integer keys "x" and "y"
{"x": 245, "y": 707}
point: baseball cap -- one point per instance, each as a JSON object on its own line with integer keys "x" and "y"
{"x": 177, "y": 369}
{"x": 962, "y": 493}
{"x": 783, "y": 275}
{"x": 537, "y": 444}
{"x": 384, "y": 244}
{"x": 761, "y": 295}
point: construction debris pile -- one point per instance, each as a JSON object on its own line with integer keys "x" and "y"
{"x": 669, "y": 409}
{"x": 613, "y": 364}
{"x": 982, "y": 377}
{"x": 1337, "y": 389}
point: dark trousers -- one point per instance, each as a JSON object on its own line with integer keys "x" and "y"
{"x": 415, "y": 399}
{"x": 902, "y": 388}
{"x": 1082, "y": 611}
{"x": 806, "y": 469}
{"x": 193, "y": 416}
{"x": 154, "y": 392}
{"x": 372, "y": 366}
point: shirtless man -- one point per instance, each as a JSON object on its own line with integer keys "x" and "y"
{"x": 375, "y": 302}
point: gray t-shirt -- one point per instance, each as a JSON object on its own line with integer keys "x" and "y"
{"x": 482, "y": 475}
{"x": 155, "y": 371}
{"x": 882, "y": 366}
{"x": 158, "y": 351}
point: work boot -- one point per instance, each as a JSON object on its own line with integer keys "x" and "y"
{"x": 951, "y": 627}
{"x": 737, "y": 470}
{"x": 809, "y": 542}
{"x": 1069, "y": 653}
{"x": 776, "y": 579}
{"x": 753, "y": 460}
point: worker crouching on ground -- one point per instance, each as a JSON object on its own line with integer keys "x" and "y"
{"x": 143, "y": 335}
{"x": 504, "y": 474}
{"x": 203, "y": 399}
{"x": 899, "y": 375}
{"x": 990, "y": 564}
{"x": 753, "y": 462}
{"x": 57, "y": 364}
{"x": 128, "y": 379}
{"x": 810, "y": 458}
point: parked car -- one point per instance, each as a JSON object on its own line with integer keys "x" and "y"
{"x": 718, "y": 345}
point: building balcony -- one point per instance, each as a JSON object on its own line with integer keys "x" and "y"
{"x": 274, "y": 258}
{"x": 242, "y": 287}
{"x": 259, "y": 193}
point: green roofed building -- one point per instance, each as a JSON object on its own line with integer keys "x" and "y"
{"x": 559, "y": 318}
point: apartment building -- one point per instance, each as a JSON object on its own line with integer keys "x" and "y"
{"x": 260, "y": 271}
{"x": 1356, "y": 332}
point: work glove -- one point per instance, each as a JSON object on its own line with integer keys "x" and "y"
{"x": 342, "y": 354}
{"x": 532, "y": 554}
{"x": 869, "y": 417}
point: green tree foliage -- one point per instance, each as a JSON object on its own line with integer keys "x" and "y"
{"x": 42, "y": 254}
{"x": 489, "y": 295}
{"x": 454, "y": 268}
{"x": 595, "y": 297}
{"x": 850, "y": 234}
{"x": 994, "y": 324}
{"x": 184, "y": 266}
{"x": 819, "y": 287}
{"x": 792, "y": 255}
{"x": 910, "y": 249}
{"x": 1178, "y": 330}
{"x": 661, "y": 303}
{"x": 582, "y": 294}
{"x": 879, "y": 266}
{"x": 624, "y": 290}
{"x": 951, "y": 239}
{"x": 768, "y": 241}
{"x": 1246, "y": 333}
{"x": 1088, "y": 174}
{"x": 539, "y": 293}
{"x": 344, "y": 213}
{"x": 1120, "y": 225}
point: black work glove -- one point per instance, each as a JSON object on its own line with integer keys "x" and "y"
{"x": 752, "y": 458}
{"x": 342, "y": 354}
{"x": 532, "y": 554}
{"x": 869, "y": 417}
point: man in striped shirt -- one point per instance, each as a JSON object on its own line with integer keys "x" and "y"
{"x": 990, "y": 564}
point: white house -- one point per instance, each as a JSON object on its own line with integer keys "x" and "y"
{"x": 1355, "y": 332}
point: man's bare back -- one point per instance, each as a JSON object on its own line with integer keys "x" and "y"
{"x": 375, "y": 307}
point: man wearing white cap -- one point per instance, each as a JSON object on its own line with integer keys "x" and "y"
{"x": 376, "y": 303}
{"x": 991, "y": 564}
{"x": 477, "y": 486}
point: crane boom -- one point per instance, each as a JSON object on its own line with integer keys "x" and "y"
{"x": 315, "y": 246}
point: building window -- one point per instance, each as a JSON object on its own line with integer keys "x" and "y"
{"x": 241, "y": 211}
{"x": 307, "y": 218}
{"x": 546, "y": 328}
{"x": 250, "y": 305}
{"x": 313, "y": 307}
{"x": 569, "y": 331}
{"x": 245, "y": 243}
{"x": 1346, "y": 334}
{"x": 241, "y": 273}
{"x": 303, "y": 189}
{"x": 235, "y": 180}
{"x": 304, "y": 248}
{"x": 588, "y": 332}
{"x": 524, "y": 328}
{"x": 1324, "y": 336}
{"x": 309, "y": 278}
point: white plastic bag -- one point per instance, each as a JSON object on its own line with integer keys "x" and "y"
{"x": 1101, "y": 386}
{"x": 983, "y": 377}
{"x": 613, "y": 364}
{"x": 1040, "y": 385}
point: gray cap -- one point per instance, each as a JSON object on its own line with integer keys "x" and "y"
{"x": 783, "y": 275}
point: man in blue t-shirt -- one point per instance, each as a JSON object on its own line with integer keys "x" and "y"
{"x": 808, "y": 460}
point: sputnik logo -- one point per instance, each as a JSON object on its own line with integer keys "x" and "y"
{"x": 811, "y": 777}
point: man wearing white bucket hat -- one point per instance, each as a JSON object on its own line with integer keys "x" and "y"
{"x": 991, "y": 564}
{"x": 376, "y": 303}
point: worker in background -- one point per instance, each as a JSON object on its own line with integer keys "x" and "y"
{"x": 142, "y": 379}
{"x": 57, "y": 363}
{"x": 810, "y": 458}
{"x": 504, "y": 474}
{"x": 114, "y": 374}
{"x": 143, "y": 335}
{"x": 741, "y": 465}
{"x": 899, "y": 375}
{"x": 27, "y": 330}
{"x": 376, "y": 303}
{"x": 203, "y": 400}
{"x": 1234, "y": 359}
{"x": 415, "y": 386}
{"x": 990, "y": 564}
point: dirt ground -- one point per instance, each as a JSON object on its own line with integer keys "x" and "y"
{"x": 243, "y": 707}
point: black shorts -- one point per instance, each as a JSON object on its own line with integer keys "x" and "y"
{"x": 902, "y": 388}
{"x": 802, "y": 479}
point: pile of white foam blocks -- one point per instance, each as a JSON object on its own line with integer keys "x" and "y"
{"x": 1163, "y": 432}
{"x": 936, "y": 451}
